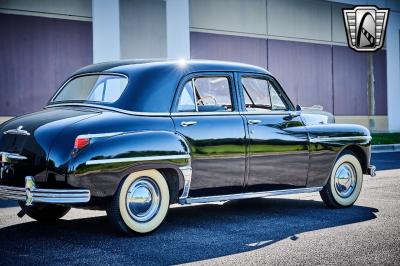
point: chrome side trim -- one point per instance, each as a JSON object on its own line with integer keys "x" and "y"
{"x": 138, "y": 159}
{"x": 5, "y": 157}
{"x": 187, "y": 176}
{"x": 100, "y": 135}
{"x": 30, "y": 194}
{"x": 249, "y": 195}
{"x": 330, "y": 139}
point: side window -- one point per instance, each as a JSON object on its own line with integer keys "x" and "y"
{"x": 186, "y": 101}
{"x": 276, "y": 99}
{"x": 261, "y": 95}
{"x": 209, "y": 94}
{"x": 256, "y": 94}
{"x": 108, "y": 89}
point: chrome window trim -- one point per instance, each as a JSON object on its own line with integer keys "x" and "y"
{"x": 138, "y": 159}
{"x": 249, "y": 195}
{"x": 87, "y": 74}
{"x": 330, "y": 139}
{"x": 204, "y": 113}
{"x": 270, "y": 112}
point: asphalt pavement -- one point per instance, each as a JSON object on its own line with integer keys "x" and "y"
{"x": 276, "y": 231}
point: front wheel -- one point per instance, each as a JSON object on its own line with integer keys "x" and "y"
{"x": 141, "y": 203}
{"x": 345, "y": 182}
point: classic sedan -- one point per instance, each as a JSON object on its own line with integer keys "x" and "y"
{"x": 134, "y": 137}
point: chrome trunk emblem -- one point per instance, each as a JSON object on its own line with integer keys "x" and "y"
{"x": 17, "y": 131}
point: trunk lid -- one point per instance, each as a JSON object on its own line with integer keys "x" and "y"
{"x": 31, "y": 137}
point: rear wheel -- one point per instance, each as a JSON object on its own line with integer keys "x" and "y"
{"x": 46, "y": 212}
{"x": 345, "y": 182}
{"x": 141, "y": 203}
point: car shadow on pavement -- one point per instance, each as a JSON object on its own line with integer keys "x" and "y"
{"x": 188, "y": 234}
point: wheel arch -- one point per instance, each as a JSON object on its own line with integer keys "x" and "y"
{"x": 359, "y": 153}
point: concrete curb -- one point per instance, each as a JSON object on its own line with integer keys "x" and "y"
{"x": 385, "y": 148}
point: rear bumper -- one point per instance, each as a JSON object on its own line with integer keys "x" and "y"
{"x": 30, "y": 194}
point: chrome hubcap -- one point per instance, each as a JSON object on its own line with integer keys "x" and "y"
{"x": 345, "y": 180}
{"x": 143, "y": 199}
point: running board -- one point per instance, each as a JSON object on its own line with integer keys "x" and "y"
{"x": 249, "y": 195}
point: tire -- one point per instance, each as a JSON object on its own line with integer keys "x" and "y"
{"x": 148, "y": 205}
{"x": 341, "y": 190}
{"x": 46, "y": 212}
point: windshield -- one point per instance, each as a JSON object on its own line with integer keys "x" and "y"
{"x": 92, "y": 88}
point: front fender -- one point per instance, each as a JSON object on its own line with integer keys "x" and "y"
{"x": 104, "y": 163}
{"x": 327, "y": 142}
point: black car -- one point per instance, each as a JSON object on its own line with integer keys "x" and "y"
{"x": 133, "y": 137}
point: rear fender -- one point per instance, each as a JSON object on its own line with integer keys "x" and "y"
{"x": 102, "y": 165}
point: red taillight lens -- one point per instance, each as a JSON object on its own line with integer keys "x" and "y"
{"x": 81, "y": 143}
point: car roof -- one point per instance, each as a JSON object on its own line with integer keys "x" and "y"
{"x": 153, "y": 83}
{"x": 192, "y": 65}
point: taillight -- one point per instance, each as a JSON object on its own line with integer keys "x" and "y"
{"x": 81, "y": 142}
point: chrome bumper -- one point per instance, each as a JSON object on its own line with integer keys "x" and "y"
{"x": 371, "y": 170}
{"x": 30, "y": 194}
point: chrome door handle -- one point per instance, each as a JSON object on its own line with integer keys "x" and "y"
{"x": 188, "y": 123}
{"x": 253, "y": 122}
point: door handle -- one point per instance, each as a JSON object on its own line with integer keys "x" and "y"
{"x": 253, "y": 122}
{"x": 188, "y": 123}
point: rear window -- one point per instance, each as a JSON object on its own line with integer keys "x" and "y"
{"x": 93, "y": 88}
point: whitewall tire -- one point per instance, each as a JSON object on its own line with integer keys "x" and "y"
{"x": 345, "y": 182}
{"x": 141, "y": 202}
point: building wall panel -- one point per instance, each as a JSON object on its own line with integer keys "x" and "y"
{"x": 380, "y": 82}
{"x": 229, "y": 15}
{"x": 36, "y": 55}
{"x": 350, "y": 81}
{"x": 80, "y": 8}
{"x": 143, "y": 29}
{"x": 304, "y": 70}
{"x": 231, "y": 48}
{"x": 308, "y": 19}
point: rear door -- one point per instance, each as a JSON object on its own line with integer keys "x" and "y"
{"x": 205, "y": 113}
{"x": 278, "y": 141}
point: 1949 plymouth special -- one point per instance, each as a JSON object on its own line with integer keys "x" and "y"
{"x": 133, "y": 137}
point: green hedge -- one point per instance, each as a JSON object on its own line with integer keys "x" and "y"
{"x": 385, "y": 138}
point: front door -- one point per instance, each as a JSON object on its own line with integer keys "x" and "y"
{"x": 205, "y": 114}
{"x": 278, "y": 141}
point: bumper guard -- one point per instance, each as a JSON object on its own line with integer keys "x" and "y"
{"x": 30, "y": 194}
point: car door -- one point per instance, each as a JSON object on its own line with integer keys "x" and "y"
{"x": 205, "y": 113}
{"x": 278, "y": 154}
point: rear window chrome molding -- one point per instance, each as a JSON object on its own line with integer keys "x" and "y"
{"x": 83, "y": 75}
